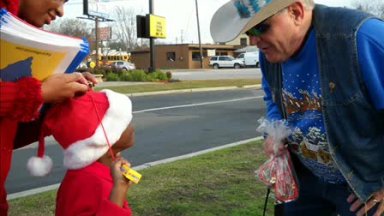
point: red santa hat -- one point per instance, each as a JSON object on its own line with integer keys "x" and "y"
{"x": 11, "y": 5}
{"x": 83, "y": 127}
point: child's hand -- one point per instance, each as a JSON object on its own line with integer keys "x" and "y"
{"x": 117, "y": 175}
{"x": 120, "y": 183}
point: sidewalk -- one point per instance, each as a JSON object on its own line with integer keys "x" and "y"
{"x": 107, "y": 84}
{"x": 121, "y": 83}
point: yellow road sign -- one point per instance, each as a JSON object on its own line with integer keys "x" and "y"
{"x": 157, "y": 26}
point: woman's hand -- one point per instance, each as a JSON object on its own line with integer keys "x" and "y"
{"x": 90, "y": 79}
{"x": 362, "y": 209}
{"x": 60, "y": 87}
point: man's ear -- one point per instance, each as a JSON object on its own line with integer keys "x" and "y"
{"x": 296, "y": 12}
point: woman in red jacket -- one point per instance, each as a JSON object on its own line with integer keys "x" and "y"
{"x": 20, "y": 101}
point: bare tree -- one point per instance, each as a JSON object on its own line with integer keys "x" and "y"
{"x": 74, "y": 28}
{"x": 71, "y": 27}
{"x": 375, "y": 7}
{"x": 116, "y": 45}
{"x": 125, "y": 28}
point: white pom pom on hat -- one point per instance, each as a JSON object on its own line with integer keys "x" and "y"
{"x": 39, "y": 166}
{"x": 82, "y": 127}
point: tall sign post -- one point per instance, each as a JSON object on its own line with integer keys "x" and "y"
{"x": 152, "y": 66}
{"x": 93, "y": 14}
{"x": 97, "y": 40}
{"x": 151, "y": 27}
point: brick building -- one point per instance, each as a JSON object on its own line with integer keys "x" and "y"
{"x": 180, "y": 56}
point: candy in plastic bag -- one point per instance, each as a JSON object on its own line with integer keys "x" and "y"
{"x": 277, "y": 172}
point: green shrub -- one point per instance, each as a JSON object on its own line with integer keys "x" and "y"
{"x": 126, "y": 76}
{"x": 116, "y": 74}
{"x": 97, "y": 71}
{"x": 161, "y": 76}
{"x": 139, "y": 75}
{"x": 100, "y": 70}
{"x": 157, "y": 76}
{"x": 112, "y": 77}
{"x": 117, "y": 70}
{"x": 169, "y": 75}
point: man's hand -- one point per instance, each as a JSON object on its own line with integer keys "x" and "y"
{"x": 362, "y": 209}
{"x": 60, "y": 87}
{"x": 270, "y": 149}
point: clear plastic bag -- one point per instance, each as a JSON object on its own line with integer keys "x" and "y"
{"x": 277, "y": 172}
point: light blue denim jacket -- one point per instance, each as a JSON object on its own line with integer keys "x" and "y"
{"x": 354, "y": 127}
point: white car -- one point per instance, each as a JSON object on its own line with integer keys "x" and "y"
{"x": 123, "y": 65}
{"x": 250, "y": 59}
{"x": 225, "y": 61}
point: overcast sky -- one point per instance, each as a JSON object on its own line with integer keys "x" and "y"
{"x": 180, "y": 14}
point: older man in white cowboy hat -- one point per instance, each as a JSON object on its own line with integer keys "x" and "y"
{"x": 323, "y": 72}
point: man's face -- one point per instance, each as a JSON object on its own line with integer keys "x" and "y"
{"x": 281, "y": 40}
{"x": 40, "y": 12}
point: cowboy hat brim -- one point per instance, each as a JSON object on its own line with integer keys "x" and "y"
{"x": 227, "y": 23}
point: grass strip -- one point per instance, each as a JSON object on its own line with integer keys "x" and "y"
{"x": 217, "y": 183}
{"x": 190, "y": 84}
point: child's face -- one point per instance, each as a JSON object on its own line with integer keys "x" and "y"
{"x": 126, "y": 140}
{"x": 40, "y": 12}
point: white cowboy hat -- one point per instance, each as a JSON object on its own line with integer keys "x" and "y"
{"x": 238, "y": 16}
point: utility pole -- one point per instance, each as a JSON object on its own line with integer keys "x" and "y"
{"x": 97, "y": 40}
{"x": 181, "y": 37}
{"x": 198, "y": 31}
{"x": 152, "y": 67}
{"x": 97, "y": 19}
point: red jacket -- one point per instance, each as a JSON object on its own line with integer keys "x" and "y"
{"x": 86, "y": 192}
{"x": 19, "y": 102}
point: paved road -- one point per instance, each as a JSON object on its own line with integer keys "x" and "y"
{"x": 212, "y": 74}
{"x": 166, "y": 126}
{"x": 206, "y": 74}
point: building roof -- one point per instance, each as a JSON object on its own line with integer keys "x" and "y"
{"x": 196, "y": 46}
{"x": 247, "y": 49}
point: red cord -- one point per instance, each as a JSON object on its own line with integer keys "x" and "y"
{"x": 105, "y": 133}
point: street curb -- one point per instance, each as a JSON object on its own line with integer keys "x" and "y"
{"x": 257, "y": 86}
{"x": 190, "y": 155}
{"x": 140, "y": 167}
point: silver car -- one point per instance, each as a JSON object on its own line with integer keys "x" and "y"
{"x": 124, "y": 65}
{"x": 225, "y": 61}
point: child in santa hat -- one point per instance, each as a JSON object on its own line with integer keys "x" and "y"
{"x": 21, "y": 99}
{"x": 92, "y": 129}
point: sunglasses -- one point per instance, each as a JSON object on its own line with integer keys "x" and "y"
{"x": 258, "y": 30}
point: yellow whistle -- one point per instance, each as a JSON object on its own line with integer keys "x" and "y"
{"x": 131, "y": 174}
